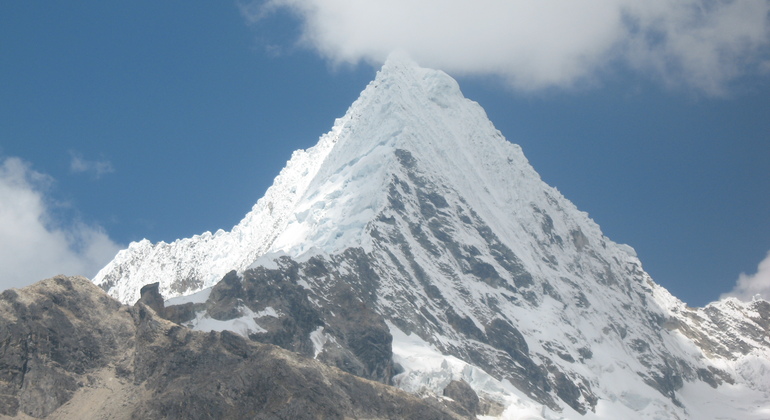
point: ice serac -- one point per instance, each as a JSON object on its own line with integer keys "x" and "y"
{"x": 416, "y": 246}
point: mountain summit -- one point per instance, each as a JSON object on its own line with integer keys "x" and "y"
{"x": 326, "y": 195}
{"x": 415, "y": 246}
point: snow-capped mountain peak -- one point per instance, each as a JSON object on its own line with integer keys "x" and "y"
{"x": 415, "y": 218}
{"x": 341, "y": 178}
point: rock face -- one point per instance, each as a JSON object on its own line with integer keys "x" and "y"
{"x": 71, "y": 351}
{"x": 414, "y": 245}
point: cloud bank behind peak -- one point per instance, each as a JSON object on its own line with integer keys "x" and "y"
{"x": 536, "y": 44}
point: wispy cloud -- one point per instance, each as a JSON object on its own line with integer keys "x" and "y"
{"x": 96, "y": 168}
{"x": 750, "y": 285}
{"x": 32, "y": 245}
{"x": 535, "y": 44}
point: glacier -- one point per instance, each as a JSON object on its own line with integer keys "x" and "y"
{"x": 415, "y": 214}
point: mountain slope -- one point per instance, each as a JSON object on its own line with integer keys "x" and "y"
{"x": 416, "y": 211}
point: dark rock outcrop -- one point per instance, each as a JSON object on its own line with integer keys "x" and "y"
{"x": 464, "y": 396}
{"x": 150, "y": 296}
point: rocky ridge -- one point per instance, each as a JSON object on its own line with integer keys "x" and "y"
{"x": 70, "y": 351}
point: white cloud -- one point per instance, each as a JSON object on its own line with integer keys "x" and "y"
{"x": 32, "y": 247}
{"x": 758, "y": 283}
{"x": 97, "y": 168}
{"x": 536, "y": 44}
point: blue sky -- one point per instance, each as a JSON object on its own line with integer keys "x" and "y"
{"x": 167, "y": 119}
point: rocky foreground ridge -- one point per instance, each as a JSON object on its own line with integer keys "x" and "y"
{"x": 70, "y": 351}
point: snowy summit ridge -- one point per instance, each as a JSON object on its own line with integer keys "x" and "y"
{"x": 470, "y": 269}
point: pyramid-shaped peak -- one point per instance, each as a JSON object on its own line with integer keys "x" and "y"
{"x": 327, "y": 195}
{"x": 406, "y": 111}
